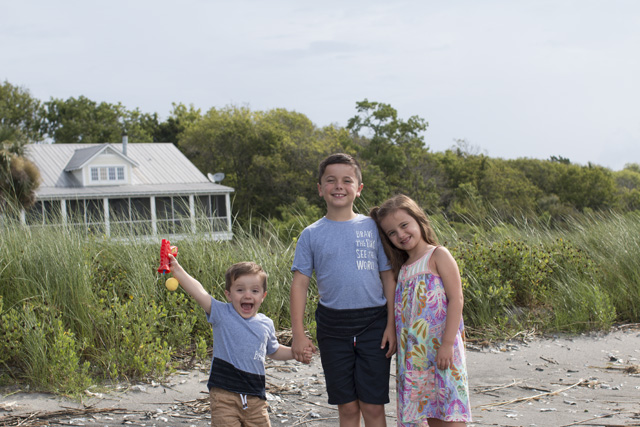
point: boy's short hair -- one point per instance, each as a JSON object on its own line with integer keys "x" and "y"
{"x": 339, "y": 158}
{"x": 244, "y": 269}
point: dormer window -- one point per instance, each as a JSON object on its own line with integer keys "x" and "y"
{"x": 107, "y": 173}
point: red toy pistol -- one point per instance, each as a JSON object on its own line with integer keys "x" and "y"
{"x": 165, "y": 250}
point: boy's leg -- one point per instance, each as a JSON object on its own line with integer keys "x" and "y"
{"x": 372, "y": 374}
{"x": 349, "y": 414}
{"x": 225, "y": 408}
{"x": 373, "y": 415}
{"x": 338, "y": 363}
{"x": 256, "y": 414}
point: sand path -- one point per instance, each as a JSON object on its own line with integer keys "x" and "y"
{"x": 585, "y": 380}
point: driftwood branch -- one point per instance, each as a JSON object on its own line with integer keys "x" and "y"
{"x": 37, "y": 418}
{"x": 499, "y": 387}
{"x": 597, "y": 418}
{"x": 536, "y": 397}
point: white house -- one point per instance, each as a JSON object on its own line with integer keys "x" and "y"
{"x": 144, "y": 189}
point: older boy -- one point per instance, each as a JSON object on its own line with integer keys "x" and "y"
{"x": 241, "y": 339}
{"x": 355, "y": 335}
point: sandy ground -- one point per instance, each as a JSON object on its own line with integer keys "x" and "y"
{"x": 586, "y": 380}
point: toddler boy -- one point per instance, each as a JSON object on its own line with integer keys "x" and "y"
{"x": 241, "y": 339}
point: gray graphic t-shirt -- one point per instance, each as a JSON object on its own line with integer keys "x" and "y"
{"x": 347, "y": 257}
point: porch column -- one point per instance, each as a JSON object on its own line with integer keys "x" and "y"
{"x": 107, "y": 228}
{"x": 227, "y": 202}
{"x": 154, "y": 217}
{"x": 63, "y": 210}
{"x": 192, "y": 212}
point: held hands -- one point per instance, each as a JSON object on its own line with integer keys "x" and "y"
{"x": 308, "y": 355}
{"x": 302, "y": 349}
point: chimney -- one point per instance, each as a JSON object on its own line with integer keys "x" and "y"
{"x": 125, "y": 140}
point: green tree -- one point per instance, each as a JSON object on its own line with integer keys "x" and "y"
{"x": 508, "y": 190}
{"x": 81, "y": 120}
{"x": 463, "y": 172}
{"x": 20, "y": 111}
{"x": 392, "y": 152}
{"x": 19, "y": 177}
{"x": 179, "y": 119}
{"x": 588, "y": 186}
{"x": 628, "y": 184}
{"x": 269, "y": 158}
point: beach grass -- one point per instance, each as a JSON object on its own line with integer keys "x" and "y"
{"x": 78, "y": 308}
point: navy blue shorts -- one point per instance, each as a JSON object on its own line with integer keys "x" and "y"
{"x": 355, "y": 367}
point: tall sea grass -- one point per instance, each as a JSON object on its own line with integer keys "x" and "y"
{"x": 95, "y": 308}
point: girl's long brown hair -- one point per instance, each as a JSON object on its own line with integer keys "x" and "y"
{"x": 396, "y": 256}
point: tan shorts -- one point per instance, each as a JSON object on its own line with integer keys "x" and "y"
{"x": 226, "y": 410}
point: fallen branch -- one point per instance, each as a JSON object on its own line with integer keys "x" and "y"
{"x": 527, "y": 387}
{"x": 631, "y": 369}
{"x": 628, "y": 326}
{"x": 536, "y": 397}
{"x": 306, "y": 421}
{"x": 595, "y": 418}
{"x": 28, "y": 419}
{"x": 335, "y": 408}
{"x": 500, "y": 387}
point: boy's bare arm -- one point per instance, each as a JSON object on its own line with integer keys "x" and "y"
{"x": 282, "y": 353}
{"x": 190, "y": 285}
{"x": 389, "y": 289}
{"x": 285, "y": 353}
{"x": 298, "y": 303}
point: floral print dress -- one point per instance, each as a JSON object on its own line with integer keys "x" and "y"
{"x": 424, "y": 391}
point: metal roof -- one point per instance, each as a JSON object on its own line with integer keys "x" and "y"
{"x": 161, "y": 169}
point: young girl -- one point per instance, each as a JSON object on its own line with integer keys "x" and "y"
{"x": 431, "y": 370}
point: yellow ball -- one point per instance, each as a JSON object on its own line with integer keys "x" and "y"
{"x": 171, "y": 283}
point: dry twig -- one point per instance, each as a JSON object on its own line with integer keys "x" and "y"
{"x": 536, "y": 397}
{"x": 549, "y": 360}
{"x": 500, "y": 387}
{"x": 38, "y": 418}
{"x": 630, "y": 369}
{"x": 306, "y": 421}
{"x": 597, "y": 418}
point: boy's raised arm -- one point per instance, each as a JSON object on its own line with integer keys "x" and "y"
{"x": 190, "y": 285}
{"x": 298, "y": 302}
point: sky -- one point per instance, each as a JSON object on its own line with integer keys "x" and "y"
{"x": 512, "y": 78}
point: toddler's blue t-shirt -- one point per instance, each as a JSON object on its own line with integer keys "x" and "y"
{"x": 239, "y": 349}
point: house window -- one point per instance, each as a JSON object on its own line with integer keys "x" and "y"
{"x": 211, "y": 213}
{"x": 107, "y": 173}
{"x": 34, "y": 214}
{"x": 75, "y": 212}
